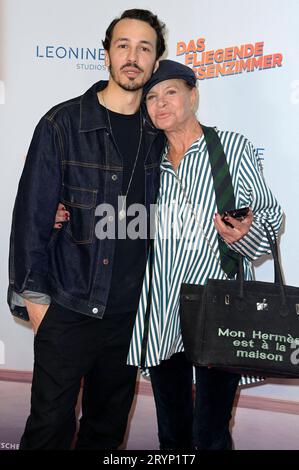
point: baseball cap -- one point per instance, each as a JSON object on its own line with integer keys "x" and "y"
{"x": 167, "y": 70}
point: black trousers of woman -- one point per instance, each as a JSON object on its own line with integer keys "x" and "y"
{"x": 184, "y": 423}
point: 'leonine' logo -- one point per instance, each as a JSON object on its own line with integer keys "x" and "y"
{"x": 91, "y": 58}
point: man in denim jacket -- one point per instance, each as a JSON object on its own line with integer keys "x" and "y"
{"x": 80, "y": 291}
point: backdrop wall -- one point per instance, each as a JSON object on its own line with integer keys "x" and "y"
{"x": 52, "y": 51}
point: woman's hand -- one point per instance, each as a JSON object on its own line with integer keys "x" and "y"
{"x": 62, "y": 215}
{"x": 238, "y": 230}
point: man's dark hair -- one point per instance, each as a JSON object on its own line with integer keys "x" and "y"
{"x": 142, "y": 15}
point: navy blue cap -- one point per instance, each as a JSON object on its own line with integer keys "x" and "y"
{"x": 167, "y": 70}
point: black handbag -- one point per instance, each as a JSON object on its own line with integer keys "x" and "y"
{"x": 249, "y": 327}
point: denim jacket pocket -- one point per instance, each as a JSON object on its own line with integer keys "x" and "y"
{"x": 81, "y": 204}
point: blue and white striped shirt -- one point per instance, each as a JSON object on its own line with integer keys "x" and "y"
{"x": 182, "y": 254}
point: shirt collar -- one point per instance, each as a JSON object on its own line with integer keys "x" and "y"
{"x": 198, "y": 146}
{"x": 91, "y": 114}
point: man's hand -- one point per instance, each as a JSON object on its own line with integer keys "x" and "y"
{"x": 62, "y": 215}
{"x": 36, "y": 313}
{"x": 238, "y": 230}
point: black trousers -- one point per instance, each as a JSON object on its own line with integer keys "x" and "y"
{"x": 184, "y": 424}
{"x": 67, "y": 347}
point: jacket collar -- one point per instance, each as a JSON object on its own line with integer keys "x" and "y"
{"x": 92, "y": 116}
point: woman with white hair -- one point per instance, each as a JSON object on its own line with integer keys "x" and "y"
{"x": 189, "y": 247}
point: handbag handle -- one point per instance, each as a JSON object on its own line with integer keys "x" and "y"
{"x": 277, "y": 268}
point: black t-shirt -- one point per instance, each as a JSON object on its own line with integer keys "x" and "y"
{"x": 130, "y": 255}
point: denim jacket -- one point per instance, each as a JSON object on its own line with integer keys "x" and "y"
{"x": 72, "y": 159}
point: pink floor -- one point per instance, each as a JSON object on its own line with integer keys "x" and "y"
{"x": 252, "y": 429}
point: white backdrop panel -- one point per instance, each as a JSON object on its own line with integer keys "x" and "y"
{"x": 36, "y": 72}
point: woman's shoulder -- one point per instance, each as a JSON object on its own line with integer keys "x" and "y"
{"x": 231, "y": 137}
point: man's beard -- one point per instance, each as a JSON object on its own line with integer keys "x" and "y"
{"x": 131, "y": 85}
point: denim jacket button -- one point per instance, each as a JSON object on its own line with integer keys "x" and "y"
{"x": 114, "y": 177}
{"x": 95, "y": 310}
{"x": 105, "y": 261}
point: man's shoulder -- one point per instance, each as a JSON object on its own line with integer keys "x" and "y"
{"x": 62, "y": 108}
{"x": 158, "y": 134}
{"x": 72, "y": 105}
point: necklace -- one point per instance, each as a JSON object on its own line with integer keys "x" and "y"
{"x": 122, "y": 212}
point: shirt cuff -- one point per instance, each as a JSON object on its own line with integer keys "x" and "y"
{"x": 34, "y": 297}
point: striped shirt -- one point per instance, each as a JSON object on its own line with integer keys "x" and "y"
{"x": 182, "y": 253}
